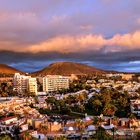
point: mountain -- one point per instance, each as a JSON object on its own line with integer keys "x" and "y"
{"x": 5, "y": 69}
{"x": 68, "y": 68}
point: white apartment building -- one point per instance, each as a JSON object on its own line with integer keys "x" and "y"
{"x": 23, "y": 84}
{"x": 20, "y": 82}
{"x": 55, "y": 82}
{"x": 32, "y": 85}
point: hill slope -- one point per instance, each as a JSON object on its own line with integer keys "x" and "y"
{"x": 68, "y": 68}
{"x": 5, "y": 69}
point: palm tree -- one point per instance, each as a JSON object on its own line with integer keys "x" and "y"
{"x": 79, "y": 124}
{"x": 95, "y": 121}
{"x": 97, "y": 104}
{"x": 27, "y": 136}
{"x": 138, "y": 135}
{"x": 109, "y": 109}
{"x": 132, "y": 117}
{"x": 44, "y": 128}
{"x": 63, "y": 138}
{"x": 5, "y": 137}
{"x": 81, "y": 97}
{"x": 115, "y": 120}
{"x": 98, "y": 122}
{"x": 16, "y": 132}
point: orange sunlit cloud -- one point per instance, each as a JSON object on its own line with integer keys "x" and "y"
{"x": 88, "y": 42}
{"x": 79, "y": 43}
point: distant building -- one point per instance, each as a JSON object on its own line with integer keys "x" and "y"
{"x": 135, "y": 107}
{"x": 5, "y": 79}
{"x": 111, "y": 75}
{"x": 23, "y": 84}
{"x": 127, "y": 76}
{"x": 73, "y": 77}
{"x": 55, "y": 82}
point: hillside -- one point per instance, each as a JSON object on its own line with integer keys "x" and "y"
{"x": 5, "y": 69}
{"x": 68, "y": 68}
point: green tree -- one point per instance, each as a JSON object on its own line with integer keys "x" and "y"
{"x": 98, "y": 121}
{"x": 27, "y": 136}
{"x": 50, "y": 100}
{"x": 97, "y": 104}
{"x": 101, "y": 134}
{"x": 109, "y": 110}
{"x": 79, "y": 124}
{"x": 106, "y": 96}
{"x": 5, "y": 137}
{"x": 138, "y": 135}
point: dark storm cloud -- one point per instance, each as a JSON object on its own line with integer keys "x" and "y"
{"x": 112, "y": 61}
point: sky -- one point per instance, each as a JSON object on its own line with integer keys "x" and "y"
{"x": 100, "y": 33}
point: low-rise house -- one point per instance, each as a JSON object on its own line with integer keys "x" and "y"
{"x": 135, "y": 107}
{"x": 124, "y": 123}
{"x": 23, "y": 127}
{"x": 135, "y": 124}
{"x": 54, "y": 126}
{"x": 7, "y": 125}
{"x": 9, "y": 120}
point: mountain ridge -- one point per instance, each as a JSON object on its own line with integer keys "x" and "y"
{"x": 6, "y": 69}
{"x": 68, "y": 68}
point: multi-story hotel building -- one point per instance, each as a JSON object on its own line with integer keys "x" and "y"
{"x": 20, "y": 83}
{"x": 55, "y": 82}
{"x": 32, "y": 85}
{"x": 23, "y": 84}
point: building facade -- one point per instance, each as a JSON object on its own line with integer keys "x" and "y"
{"x": 24, "y": 84}
{"x": 32, "y": 86}
{"x": 55, "y": 82}
{"x": 135, "y": 107}
{"x": 20, "y": 82}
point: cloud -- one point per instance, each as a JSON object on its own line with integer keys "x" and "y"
{"x": 65, "y": 26}
{"x": 85, "y": 43}
{"x": 128, "y": 41}
{"x": 79, "y": 43}
{"x": 68, "y": 44}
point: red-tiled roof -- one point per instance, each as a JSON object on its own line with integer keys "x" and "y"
{"x": 7, "y": 118}
{"x": 11, "y": 124}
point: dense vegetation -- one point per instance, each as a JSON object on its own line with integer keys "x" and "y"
{"x": 110, "y": 102}
{"x": 6, "y": 89}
